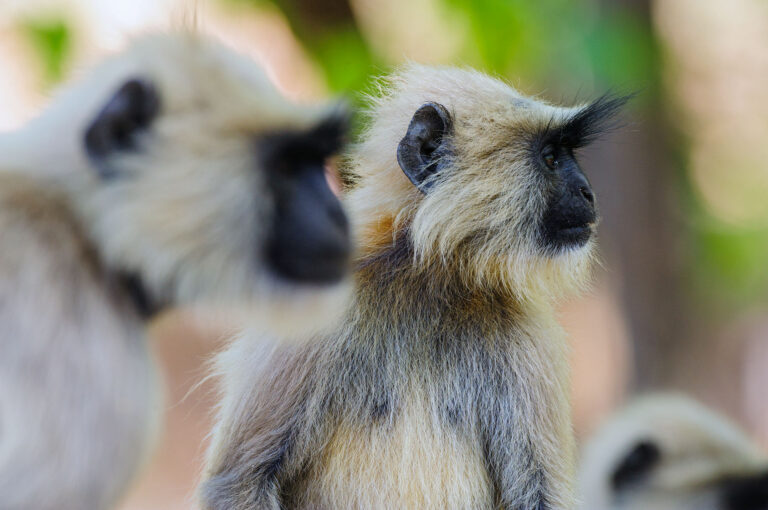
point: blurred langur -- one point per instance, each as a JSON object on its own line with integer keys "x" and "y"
{"x": 666, "y": 452}
{"x": 173, "y": 173}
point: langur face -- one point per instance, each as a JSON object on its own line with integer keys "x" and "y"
{"x": 203, "y": 210}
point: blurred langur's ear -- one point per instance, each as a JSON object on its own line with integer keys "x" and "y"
{"x": 636, "y": 464}
{"x": 129, "y": 111}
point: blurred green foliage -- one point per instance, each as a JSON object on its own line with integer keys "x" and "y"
{"x": 331, "y": 37}
{"x": 561, "y": 42}
{"x": 51, "y": 39}
{"x": 548, "y": 42}
{"x": 345, "y": 58}
{"x": 730, "y": 263}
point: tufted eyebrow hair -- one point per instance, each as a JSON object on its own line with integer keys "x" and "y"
{"x": 586, "y": 125}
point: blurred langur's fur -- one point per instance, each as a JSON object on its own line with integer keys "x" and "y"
{"x": 446, "y": 385}
{"x": 667, "y": 452}
{"x": 173, "y": 173}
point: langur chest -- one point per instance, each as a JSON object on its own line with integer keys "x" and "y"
{"x": 416, "y": 444}
{"x": 411, "y": 461}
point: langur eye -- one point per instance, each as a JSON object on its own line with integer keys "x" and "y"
{"x": 549, "y": 158}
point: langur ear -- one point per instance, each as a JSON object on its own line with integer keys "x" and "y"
{"x": 129, "y": 112}
{"x": 422, "y": 150}
{"x": 636, "y": 464}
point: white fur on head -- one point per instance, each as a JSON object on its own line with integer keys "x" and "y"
{"x": 188, "y": 209}
{"x": 482, "y": 215}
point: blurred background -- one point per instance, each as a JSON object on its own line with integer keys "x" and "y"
{"x": 681, "y": 299}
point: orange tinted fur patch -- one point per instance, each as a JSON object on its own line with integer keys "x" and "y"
{"x": 378, "y": 234}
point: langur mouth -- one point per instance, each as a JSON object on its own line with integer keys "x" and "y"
{"x": 574, "y": 236}
{"x": 567, "y": 236}
{"x": 318, "y": 270}
{"x": 315, "y": 252}
{"x": 568, "y": 223}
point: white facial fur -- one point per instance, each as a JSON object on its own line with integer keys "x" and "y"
{"x": 188, "y": 209}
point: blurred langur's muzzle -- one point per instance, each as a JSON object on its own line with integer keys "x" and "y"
{"x": 310, "y": 241}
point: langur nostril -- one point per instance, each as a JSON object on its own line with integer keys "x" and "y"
{"x": 587, "y": 194}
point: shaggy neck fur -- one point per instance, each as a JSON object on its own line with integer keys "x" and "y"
{"x": 422, "y": 356}
{"x": 443, "y": 293}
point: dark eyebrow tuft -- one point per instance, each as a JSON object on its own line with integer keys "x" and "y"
{"x": 586, "y": 125}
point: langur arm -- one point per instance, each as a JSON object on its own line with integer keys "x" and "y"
{"x": 262, "y": 437}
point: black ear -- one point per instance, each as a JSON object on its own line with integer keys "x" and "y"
{"x": 129, "y": 111}
{"x": 423, "y": 148}
{"x": 636, "y": 464}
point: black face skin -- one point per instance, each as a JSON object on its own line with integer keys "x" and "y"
{"x": 309, "y": 236}
{"x": 571, "y": 211}
{"x": 746, "y": 493}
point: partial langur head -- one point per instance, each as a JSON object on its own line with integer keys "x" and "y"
{"x": 480, "y": 177}
{"x": 206, "y": 182}
{"x": 666, "y": 452}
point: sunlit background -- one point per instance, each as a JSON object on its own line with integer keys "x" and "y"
{"x": 681, "y": 300}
